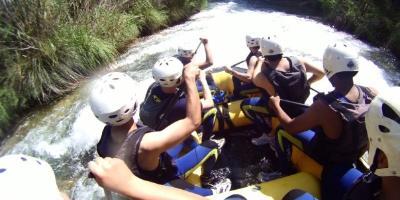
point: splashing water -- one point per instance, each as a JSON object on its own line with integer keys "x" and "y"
{"x": 66, "y": 132}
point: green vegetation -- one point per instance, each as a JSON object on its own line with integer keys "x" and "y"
{"x": 377, "y": 22}
{"x": 48, "y": 46}
{"x": 373, "y": 21}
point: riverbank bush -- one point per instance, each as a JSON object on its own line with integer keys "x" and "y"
{"x": 48, "y": 46}
{"x": 373, "y": 21}
{"x": 370, "y": 20}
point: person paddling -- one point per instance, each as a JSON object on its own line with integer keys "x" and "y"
{"x": 113, "y": 101}
{"x": 339, "y": 115}
{"x": 186, "y": 54}
{"x": 278, "y": 75}
{"x": 243, "y": 81}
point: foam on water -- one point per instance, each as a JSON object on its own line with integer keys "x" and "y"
{"x": 65, "y": 133}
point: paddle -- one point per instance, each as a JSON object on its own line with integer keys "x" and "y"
{"x": 197, "y": 48}
{"x": 315, "y": 90}
{"x": 240, "y": 62}
{"x": 219, "y": 69}
{"x": 294, "y": 103}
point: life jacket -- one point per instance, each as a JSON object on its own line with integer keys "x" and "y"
{"x": 291, "y": 85}
{"x": 155, "y": 104}
{"x": 129, "y": 152}
{"x": 103, "y": 148}
{"x": 353, "y": 141}
{"x": 102, "y": 145}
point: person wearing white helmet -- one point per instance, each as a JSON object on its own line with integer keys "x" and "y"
{"x": 382, "y": 179}
{"x": 24, "y": 177}
{"x": 113, "y": 101}
{"x": 165, "y": 101}
{"x": 243, "y": 81}
{"x": 186, "y": 54}
{"x": 278, "y": 75}
{"x": 339, "y": 115}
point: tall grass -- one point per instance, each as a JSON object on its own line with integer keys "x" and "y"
{"x": 48, "y": 46}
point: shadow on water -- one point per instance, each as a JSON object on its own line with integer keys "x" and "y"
{"x": 244, "y": 163}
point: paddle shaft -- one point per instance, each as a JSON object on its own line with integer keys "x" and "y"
{"x": 294, "y": 103}
{"x": 240, "y": 62}
{"x": 315, "y": 90}
{"x": 197, "y": 48}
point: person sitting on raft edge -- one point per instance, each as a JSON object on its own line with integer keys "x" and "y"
{"x": 243, "y": 81}
{"x": 382, "y": 179}
{"x": 113, "y": 101}
{"x": 340, "y": 136}
{"x": 279, "y": 75}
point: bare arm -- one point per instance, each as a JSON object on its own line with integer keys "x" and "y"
{"x": 158, "y": 142}
{"x": 317, "y": 72}
{"x": 207, "y": 101}
{"x": 318, "y": 114}
{"x": 113, "y": 174}
{"x": 209, "y": 59}
{"x": 260, "y": 80}
{"x": 307, "y": 120}
{"x": 245, "y": 77}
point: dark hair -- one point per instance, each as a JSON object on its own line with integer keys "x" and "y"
{"x": 274, "y": 57}
{"x": 345, "y": 74}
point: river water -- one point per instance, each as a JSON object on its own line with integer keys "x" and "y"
{"x": 65, "y": 133}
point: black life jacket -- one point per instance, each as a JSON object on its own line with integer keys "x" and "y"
{"x": 129, "y": 152}
{"x": 154, "y": 105}
{"x": 353, "y": 140}
{"x": 291, "y": 85}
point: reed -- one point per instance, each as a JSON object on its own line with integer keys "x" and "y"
{"x": 48, "y": 46}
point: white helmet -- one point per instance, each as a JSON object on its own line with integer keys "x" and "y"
{"x": 339, "y": 58}
{"x": 113, "y": 98}
{"x": 23, "y": 177}
{"x": 168, "y": 72}
{"x": 185, "y": 50}
{"x": 252, "y": 41}
{"x": 270, "y": 46}
{"x": 383, "y": 127}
